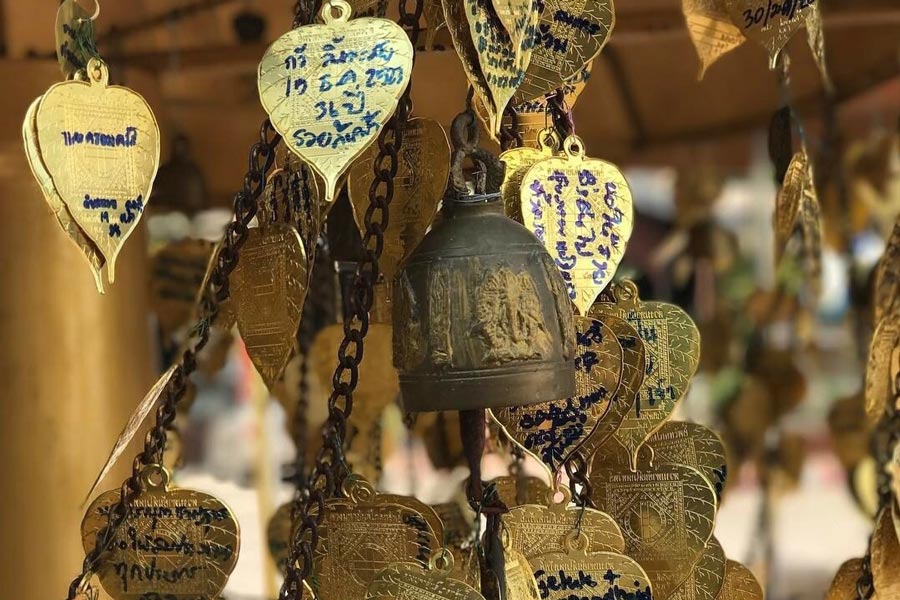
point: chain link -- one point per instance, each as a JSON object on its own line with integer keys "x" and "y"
{"x": 510, "y": 136}
{"x": 579, "y": 483}
{"x": 560, "y": 115}
{"x": 330, "y": 468}
{"x": 262, "y": 156}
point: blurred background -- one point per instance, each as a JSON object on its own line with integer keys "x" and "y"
{"x": 782, "y": 358}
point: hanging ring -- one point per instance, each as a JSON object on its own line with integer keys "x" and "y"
{"x": 96, "y": 14}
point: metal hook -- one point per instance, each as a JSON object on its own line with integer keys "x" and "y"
{"x": 96, "y": 14}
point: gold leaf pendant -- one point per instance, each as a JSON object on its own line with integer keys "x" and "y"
{"x": 405, "y": 581}
{"x": 741, "y": 584}
{"x": 706, "y": 578}
{"x": 330, "y": 88}
{"x": 770, "y": 24}
{"x": 518, "y": 161}
{"x": 712, "y": 32}
{"x": 100, "y": 146}
{"x": 175, "y": 543}
{"x": 581, "y": 210}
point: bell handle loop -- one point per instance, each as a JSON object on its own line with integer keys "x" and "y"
{"x": 464, "y": 137}
{"x": 344, "y": 11}
{"x": 96, "y": 72}
{"x": 155, "y": 477}
{"x": 441, "y": 561}
{"x": 574, "y": 147}
{"x": 548, "y": 139}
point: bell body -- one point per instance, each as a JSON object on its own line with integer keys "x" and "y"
{"x": 481, "y": 316}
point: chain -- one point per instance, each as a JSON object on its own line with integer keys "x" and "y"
{"x": 330, "y": 469}
{"x": 262, "y": 156}
{"x": 560, "y": 115}
{"x": 510, "y": 136}
{"x": 579, "y": 483}
{"x": 305, "y": 12}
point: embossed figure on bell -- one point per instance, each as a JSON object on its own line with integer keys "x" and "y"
{"x": 481, "y": 315}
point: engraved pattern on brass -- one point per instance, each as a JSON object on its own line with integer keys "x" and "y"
{"x": 268, "y": 289}
{"x": 406, "y": 581}
{"x": 770, "y": 24}
{"x": 691, "y": 444}
{"x": 879, "y": 372}
{"x": 706, "y": 578}
{"x": 176, "y": 543}
{"x": 518, "y": 161}
{"x": 581, "y": 210}
{"x": 712, "y": 32}
{"x": 787, "y": 204}
{"x": 741, "y": 584}
{"x": 843, "y": 586}
{"x": 514, "y": 491}
{"x": 886, "y": 296}
{"x": 672, "y": 343}
{"x": 329, "y": 88}
{"x": 458, "y": 26}
{"x": 100, "y": 145}
{"x": 885, "y": 552}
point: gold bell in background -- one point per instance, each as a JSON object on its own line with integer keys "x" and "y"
{"x": 481, "y": 316}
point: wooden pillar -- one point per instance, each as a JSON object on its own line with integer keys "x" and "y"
{"x": 73, "y": 364}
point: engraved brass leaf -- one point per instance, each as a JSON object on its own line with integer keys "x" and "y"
{"x": 570, "y": 34}
{"x": 268, "y": 288}
{"x": 367, "y": 532}
{"x": 329, "y": 88}
{"x": 810, "y": 220}
{"x": 879, "y": 372}
{"x": 787, "y": 204}
{"x": 404, "y": 581}
{"x": 176, "y": 273}
{"x": 741, "y": 584}
{"x": 459, "y": 532}
{"x": 100, "y": 145}
{"x": 552, "y": 431}
{"x": 885, "y": 551}
{"x": 74, "y": 35}
{"x": 424, "y": 165}
{"x": 512, "y": 15}
{"x": 458, "y": 26}
{"x": 278, "y": 536}
{"x": 633, "y": 365}
{"x": 886, "y": 296}
{"x": 672, "y": 343}
{"x": 581, "y": 210}
{"x": 843, "y": 586}
{"x": 666, "y": 513}
{"x": 518, "y": 161}
{"x": 536, "y": 529}
{"x": 503, "y": 57}
{"x": 815, "y": 38}
{"x": 576, "y": 573}
{"x": 707, "y": 577}
{"x": 368, "y": 8}
{"x": 65, "y": 219}
{"x": 179, "y": 544}
{"x": 711, "y": 29}
{"x": 770, "y": 24}
{"x": 515, "y": 491}
{"x": 691, "y": 444}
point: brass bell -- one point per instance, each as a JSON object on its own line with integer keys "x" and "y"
{"x": 481, "y": 316}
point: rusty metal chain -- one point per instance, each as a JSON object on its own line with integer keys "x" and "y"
{"x": 305, "y": 12}
{"x": 510, "y": 136}
{"x": 560, "y": 115}
{"x": 330, "y": 468}
{"x": 262, "y": 156}
{"x": 579, "y": 482}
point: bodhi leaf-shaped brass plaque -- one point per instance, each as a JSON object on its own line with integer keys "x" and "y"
{"x": 523, "y": 489}
{"x": 424, "y": 165}
{"x": 711, "y": 29}
{"x": 787, "y": 204}
{"x": 536, "y": 529}
{"x": 458, "y": 26}
{"x": 502, "y": 57}
{"x": 278, "y": 536}
{"x": 843, "y": 586}
{"x": 880, "y": 372}
{"x": 691, "y": 444}
{"x": 409, "y": 581}
{"x": 741, "y": 584}
{"x": 513, "y": 15}
{"x": 886, "y": 556}
{"x": 666, "y": 514}
{"x": 633, "y": 364}
{"x": 581, "y": 210}
{"x": 100, "y": 145}
{"x": 518, "y": 161}
{"x": 672, "y": 344}
{"x": 570, "y": 34}
{"x": 580, "y": 573}
{"x": 770, "y": 24}
{"x": 329, "y": 88}
{"x": 178, "y": 544}
{"x": 65, "y": 219}
{"x": 706, "y": 578}
{"x": 268, "y": 290}
{"x": 367, "y": 532}
{"x": 886, "y": 296}
{"x": 552, "y": 431}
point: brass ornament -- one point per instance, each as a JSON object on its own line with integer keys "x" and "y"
{"x": 672, "y": 344}
{"x": 178, "y": 544}
{"x": 366, "y": 532}
{"x": 503, "y": 56}
{"x": 843, "y": 586}
{"x": 770, "y": 24}
{"x": 65, "y": 219}
{"x": 885, "y": 551}
{"x": 518, "y": 490}
{"x": 707, "y": 577}
{"x": 666, "y": 514}
{"x": 810, "y": 223}
{"x": 406, "y": 581}
{"x": 459, "y": 534}
{"x": 815, "y": 39}
{"x": 279, "y": 534}
{"x": 176, "y": 272}
{"x": 581, "y": 210}
{"x": 578, "y": 572}
{"x": 424, "y": 165}
{"x": 74, "y": 37}
{"x": 458, "y": 26}
{"x": 329, "y": 88}
{"x": 880, "y": 372}
{"x": 712, "y": 32}
{"x": 886, "y": 294}
{"x": 135, "y": 421}
{"x": 100, "y": 145}
{"x": 368, "y": 8}
{"x": 633, "y": 365}
{"x": 535, "y": 529}
{"x": 518, "y": 161}
{"x": 513, "y": 14}
{"x": 268, "y": 288}
{"x": 552, "y": 431}
{"x": 520, "y": 582}
{"x": 691, "y": 444}
{"x": 569, "y": 36}
{"x": 787, "y": 204}
{"x": 741, "y": 584}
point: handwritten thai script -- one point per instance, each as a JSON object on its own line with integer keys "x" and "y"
{"x": 128, "y": 216}
{"x": 761, "y": 15}
{"x": 128, "y": 139}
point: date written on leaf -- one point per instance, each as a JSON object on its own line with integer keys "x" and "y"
{"x": 763, "y": 13}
